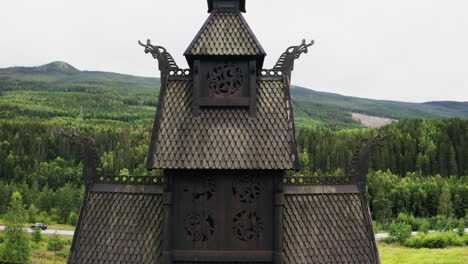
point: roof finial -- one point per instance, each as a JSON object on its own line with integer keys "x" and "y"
{"x": 226, "y": 5}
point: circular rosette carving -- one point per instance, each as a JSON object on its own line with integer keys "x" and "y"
{"x": 247, "y": 188}
{"x": 199, "y": 226}
{"x": 247, "y": 226}
{"x": 225, "y": 79}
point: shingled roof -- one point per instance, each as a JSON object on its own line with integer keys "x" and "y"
{"x": 328, "y": 227}
{"x": 118, "y": 226}
{"x": 225, "y": 33}
{"x": 224, "y": 138}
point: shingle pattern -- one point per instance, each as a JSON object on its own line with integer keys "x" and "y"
{"x": 327, "y": 228}
{"x": 224, "y": 138}
{"x": 120, "y": 228}
{"x": 225, "y": 34}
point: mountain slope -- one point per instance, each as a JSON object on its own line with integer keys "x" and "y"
{"x": 60, "y": 92}
{"x": 56, "y": 66}
{"x": 326, "y": 106}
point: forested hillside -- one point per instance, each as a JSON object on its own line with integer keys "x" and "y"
{"x": 334, "y": 109}
{"x": 421, "y": 170}
{"x": 59, "y": 93}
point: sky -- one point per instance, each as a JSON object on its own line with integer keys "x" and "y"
{"x": 405, "y": 50}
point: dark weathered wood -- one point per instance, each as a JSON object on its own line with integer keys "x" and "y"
{"x": 223, "y": 210}
{"x": 224, "y": 256}
{"x": 234, "y": 101}
{"x": 287, "y": 91}
{"x": 180, "y": 78}
{"x": 269, "y": 78}
{"x": 190, "y": 58}
{"x": 157, "y": 122}
{"x": 168, "y": 224}
{"x": 222, "y": 82}
{"x": 370, "y": 227}
{"x": 319, "y": 180}
{"x": 278, "y": 220}
{"x": 363, "y": 152}
{"x": 77, "y": 233}
{"x": 286, "y": 61}
{"x": 224, "y": 135}
{"x": 226, "y": 5}
{"x": 121, "y": 188}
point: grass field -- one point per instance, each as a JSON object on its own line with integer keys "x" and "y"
{"x": 391, "y": 254}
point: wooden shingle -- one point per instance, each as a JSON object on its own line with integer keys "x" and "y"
{"x": 119, "y": 228}
{"x": 328, "y": 228}
{"x": 225, "y": 33}
{"x": 224, "y": 138}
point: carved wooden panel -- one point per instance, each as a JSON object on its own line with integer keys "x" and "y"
{"x": 225, "y": 79}
{"x": 223, "y": 82}
{"x": 223, "y": 210}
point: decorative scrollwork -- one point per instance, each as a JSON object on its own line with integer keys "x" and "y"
{"x": 202, "y": 188}
{"x": 318, "y": 180}
{"x": 131, "y": 180}
{"x": 199, "y": 226}
{"x": 167, "y": 64}
{"x": 362, "y": 154}
{"x": 247, "y": 226}
{"x": 285, "y": 63}
{"x": 225, "y": 79}
{"x": 88, "y": 153}
{"x": 247, "y": 188}
{"x": 271, "y": 73}
{"x": 180, "y": 72}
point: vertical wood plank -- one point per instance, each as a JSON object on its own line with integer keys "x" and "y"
{"x": 167, "y": 232}
{"x": 278, "y": 257}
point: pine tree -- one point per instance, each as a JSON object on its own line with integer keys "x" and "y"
{"x": 305, "y": 163}
{"x": 452, "y": 162}
{"x": 16, "y": 238}
{"x": 382, "y": 208}
{"x": 72, "y": 219}
{"x": 445, "y": 203}
{"x": 32, "y": 213}
{"x": 461, "y": 227}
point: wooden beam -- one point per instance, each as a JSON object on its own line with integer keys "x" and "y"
{"x": 123, "y": 188}
{"x": 167, "y": 226}
{"x": 225, "y": 256}
{"x": 278, "y": 257}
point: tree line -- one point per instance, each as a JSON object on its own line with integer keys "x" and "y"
{"x": 429, "y": 147}
{"x": 420, "y": 170}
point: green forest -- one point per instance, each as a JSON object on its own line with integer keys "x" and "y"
{"x": 420, "y": 173}
{"x": 421, "y": 170}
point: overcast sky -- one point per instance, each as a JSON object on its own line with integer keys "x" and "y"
{"x": 407, "y": 50}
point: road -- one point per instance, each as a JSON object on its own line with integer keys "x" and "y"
{"x": 70, "y": 233}
{"x": 48, "y": 231}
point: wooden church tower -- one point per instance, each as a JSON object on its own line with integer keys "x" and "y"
{"x": 224, "y": 137}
